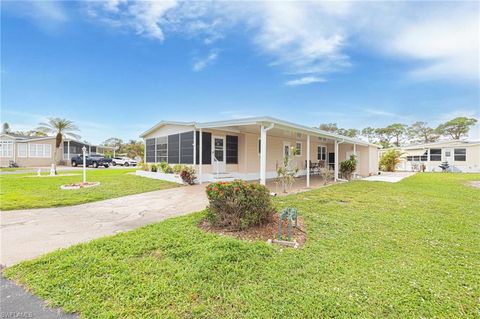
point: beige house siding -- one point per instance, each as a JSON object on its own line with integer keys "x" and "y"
{"x": 249, "y": 157}
{"x": 39, "y": 161}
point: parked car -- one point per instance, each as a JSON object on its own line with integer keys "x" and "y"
{"x": 94, "y": 160}
{"x": 125, "y": 161}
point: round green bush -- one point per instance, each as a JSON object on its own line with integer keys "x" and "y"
{"x": 238, "y": 205}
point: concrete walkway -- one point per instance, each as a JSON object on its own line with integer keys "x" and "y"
{"x": 26, "y": 234}
{"x": 389, "y": 177}
{"x": 16, "y": 302}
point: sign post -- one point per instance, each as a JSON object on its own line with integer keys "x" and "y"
{"x": 84, "y": 149}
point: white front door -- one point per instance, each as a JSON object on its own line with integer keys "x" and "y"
{"x": 448, "y": 155}
{"x": 218, "y": 154}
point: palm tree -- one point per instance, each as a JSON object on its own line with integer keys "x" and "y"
{"x": 61, "y": 128}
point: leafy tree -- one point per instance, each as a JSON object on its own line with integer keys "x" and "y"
{"x": 333, "y": 128}
{"x": 329, "y": 127}
{"x": 351, "y": 132}
{"x": 384, "y": 136}
{"x": 420, "y": 132}
{"x": 347, "y": 167}
{"x": 456, "y": 128}
{"x": 389, "y": 160}
{"x": 134, "y": 149}
{"x": 369, "y": 133}
{"x": 114, "y": 142}
{"x": 398, "y": 132}
{"x": 61, "y": 128}
{"x": 5, "y": 128}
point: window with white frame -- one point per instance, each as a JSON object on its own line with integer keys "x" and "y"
{"x": 22, "y": 150}
{"x": 321, "y": 153}
{"x": 6, "y": 148}
{"x": 460, "y": 154}
{"x": 39, "y": 150}
{"x": 298, "y": 148}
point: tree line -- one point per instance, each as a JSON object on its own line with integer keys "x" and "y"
{"x": 399, "y": 134}
{"x": 132, "y": 148}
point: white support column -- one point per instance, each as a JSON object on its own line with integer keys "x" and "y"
{"x": 356, "y": 158}
{"x": 144, "y": 150}
{"x": 308, "y": 160}
{"x": 200, "y": 177}
{"x": 194, "y": 147}
{"x": 336, "y": 160}
{"x": 263, "y": 153}
{"x": 68, "y": 150}
{"x": 89, "y": 150}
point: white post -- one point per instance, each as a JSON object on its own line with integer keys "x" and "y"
{"x": 84, "y": 149}
{"x": 356, "y": 158}
{"x": 336, "y": 160}
{"x": 263, "y": 155}
{"x": 68, "y": 151}
{"x": 194, "y": 147}
{"x": 308, "y": 160}
{"x": 89, "y": 150}
{"x": 200, "y": 160}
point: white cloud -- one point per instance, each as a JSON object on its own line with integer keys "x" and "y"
{"x": 314, "y": 39}
{"x": 201, "y": 64}
{"x": 305, "y": 80}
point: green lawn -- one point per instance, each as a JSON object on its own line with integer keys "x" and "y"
{"x": 19, "y": 191}
{"x": 374, "y": 250}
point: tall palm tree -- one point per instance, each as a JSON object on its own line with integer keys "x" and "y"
{"x": 61, "y": 128}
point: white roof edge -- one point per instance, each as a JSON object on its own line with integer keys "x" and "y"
{"x": 425, "y": 145}
{"x": 162, "y": 123}
{"x": 258, "y": 120}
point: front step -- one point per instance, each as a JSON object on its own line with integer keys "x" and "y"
{"x": 223, "y": 177}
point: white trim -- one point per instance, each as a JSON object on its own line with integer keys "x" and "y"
{"x": 326, "y": 153}
{"x": 223, "y": 167}
{"x": 7, "y": 151}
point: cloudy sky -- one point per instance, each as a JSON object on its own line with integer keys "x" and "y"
{"x": 117, "y": 67}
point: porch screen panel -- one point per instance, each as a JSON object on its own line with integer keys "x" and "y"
{"x": 150, "y": 150}
{"x": 174, "y": 149}
{"x": 207, "y": 148}
{"x": 186, "y": 148}
{"x": 162, "y": 151}
{"x": 232, "y": 149}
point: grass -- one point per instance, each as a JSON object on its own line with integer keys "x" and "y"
{"x": 13, "y": 169}
{"x": 21, "y": 191}
{"x": 405, "y": 250}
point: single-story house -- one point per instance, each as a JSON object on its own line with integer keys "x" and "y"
{"x": 461, "y": 155}
{"x": 253, "y": 148}
{"x": 38, "y": 151}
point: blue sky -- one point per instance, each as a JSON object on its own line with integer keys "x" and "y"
{"x": 117, "y": 67}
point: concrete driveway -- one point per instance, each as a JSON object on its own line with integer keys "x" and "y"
{"x": 26, "y": 234}
{"x": 389, "y": 177}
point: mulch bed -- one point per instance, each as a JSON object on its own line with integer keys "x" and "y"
{"x": 263, "y": 232}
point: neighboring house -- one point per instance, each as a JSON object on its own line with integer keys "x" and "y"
{"x": 462, "y": 156}
{"x": 35, "y": 151}
{"x": 252, "y": 148}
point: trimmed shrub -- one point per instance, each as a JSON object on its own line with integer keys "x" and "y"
{"x": 347, "y": 167}
{"x": 188, "y": 175}
{"x": 178, "y": 168}
{"x": 238, "y": 205}
{"x": 164, "y": 167}
{"x": 153, "y": 168}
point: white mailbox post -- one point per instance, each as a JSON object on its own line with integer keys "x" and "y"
{"x": 84, "y": 149}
